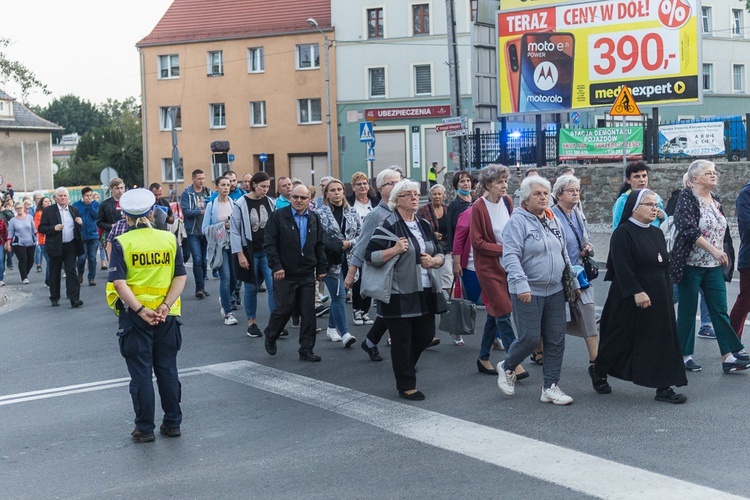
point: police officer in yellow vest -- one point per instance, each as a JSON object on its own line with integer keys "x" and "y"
{"x": 146, "y": 278}
{"x": 432, "y": 174}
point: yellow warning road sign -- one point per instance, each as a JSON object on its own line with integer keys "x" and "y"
{"x": 625, "y": 105}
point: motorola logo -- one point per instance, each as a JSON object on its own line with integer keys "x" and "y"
{"x": 545, "y": 76}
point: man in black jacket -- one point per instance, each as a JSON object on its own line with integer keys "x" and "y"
{"x": 61, "y": 224}
{"x": 109, "y": 209}
{"x": 294, "y": 246}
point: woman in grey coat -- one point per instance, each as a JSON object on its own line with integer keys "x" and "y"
{"x": 534, "y": 257}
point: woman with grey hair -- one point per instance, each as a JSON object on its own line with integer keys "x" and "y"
{"x": 583, "y": 313}
{"x": 698, "y": 260}
{"x": 535, "y": 257}
{"x": 415, "y": 294}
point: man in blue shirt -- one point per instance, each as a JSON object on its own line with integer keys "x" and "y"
{"x": 284, "y": 189}
{"x": 294, "y": 246}
{"x": 89, "y": 211}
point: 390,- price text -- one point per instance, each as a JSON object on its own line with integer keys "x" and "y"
{"x": 636, "y": 53}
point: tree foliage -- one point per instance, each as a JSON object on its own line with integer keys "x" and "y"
{"x": 73, "y": 114}
{"x": 117, "y": 144}
{"x": 18, "y": 73}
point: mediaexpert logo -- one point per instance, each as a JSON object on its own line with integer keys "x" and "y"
{"x": 545, "y": 76}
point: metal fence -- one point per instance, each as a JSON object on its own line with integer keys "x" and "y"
{"x": 520, "y": 147}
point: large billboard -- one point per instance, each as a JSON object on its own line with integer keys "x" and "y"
{"x": 555, "y": 56}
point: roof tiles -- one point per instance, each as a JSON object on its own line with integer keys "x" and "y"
{"x": 204, "y": 20}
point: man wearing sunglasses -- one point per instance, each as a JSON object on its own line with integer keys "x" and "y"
{"x": 294, "y": 245}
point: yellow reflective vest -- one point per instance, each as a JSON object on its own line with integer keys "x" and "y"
{"x": 150, "y": 260}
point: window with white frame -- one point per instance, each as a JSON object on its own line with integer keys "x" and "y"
{"x": 218, "y": 116}
{"x": 738, "y": 77}
{"x": 376, "y": 77}
{"x": 169, "y": 66}
{"x": 169, "y": 175}
{"x": 421, "y": 19}
{"x": 255, "y": 62}
{"x": 309, "y": 111}
{"x": 737, "y": 22}
{"x": 215, "y": 63}
{"x": 258, "y": 113}
{"x": 708, "y": 77}
{"x": 706, "y": 19}
{"x": 422, "y": 79}
{"x": 165, "y": 123}
{"x": 308, "y": 56}
{"x": 375, "y": 23}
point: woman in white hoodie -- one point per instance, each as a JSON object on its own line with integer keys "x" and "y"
{"x": 534, "y": 257}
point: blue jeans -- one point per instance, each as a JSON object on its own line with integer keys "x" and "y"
{"x": 90, "y": 249}
{"x": 46, "y": 260}
{"x": 227, "y": 282}
{"x": 337, "y": 314}
{"x": 198, "y": 248}
{"x": 38, "y": 255}
{"x": 492, "y": 327}
{"x": 2, "y": 261}
{"x": 260, "y": 263}
{"x": 472, "y": 290}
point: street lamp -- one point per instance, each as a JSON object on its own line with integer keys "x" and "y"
{"x": 312, "y": 22}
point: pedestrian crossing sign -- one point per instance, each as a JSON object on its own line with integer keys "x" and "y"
{"x": 625, "y": 105}
{"x": 365, "y": 132}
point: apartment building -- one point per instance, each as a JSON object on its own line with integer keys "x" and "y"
{"x": 252, "y": 74}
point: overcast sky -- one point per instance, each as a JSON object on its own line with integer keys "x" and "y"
{"x": 81, "y": 47}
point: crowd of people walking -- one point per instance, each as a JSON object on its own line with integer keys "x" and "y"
{"x": 527, "y": 259}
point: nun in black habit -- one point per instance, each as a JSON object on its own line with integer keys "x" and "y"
{"x": 638, "y": 332}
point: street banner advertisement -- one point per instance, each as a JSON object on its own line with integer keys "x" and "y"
{"x": 600, "y": 143}
{"x": 684, "y": 140}
{"x": 559, "y": 56}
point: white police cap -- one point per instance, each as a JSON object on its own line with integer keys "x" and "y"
{"x": 137, "y": 202}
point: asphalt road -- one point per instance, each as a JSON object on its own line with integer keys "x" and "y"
{"x": 257, "y": 426}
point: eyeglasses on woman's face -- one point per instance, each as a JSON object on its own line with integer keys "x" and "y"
{"x": 650, "y": 206}
{"x": 411, "y": 194}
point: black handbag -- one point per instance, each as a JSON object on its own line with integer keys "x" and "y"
{"x": 589, "y": 264}
{"x": 461, "y": 316}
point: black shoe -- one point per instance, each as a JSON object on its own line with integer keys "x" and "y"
{"x": 170, "y": 431}
{"x": 484, "y": 369}
{"x": 373, "y": 353}
{"x": 92, "y": 283}
{"x": 270, "y": 344}
{"x": 321, "y": 311}
{"x": 206, "y": 293}
{"x": 669, "y": 396}
{"x": 262, "y": 289}
{"x": 414, "y": 396}
{"x": 254, "y": 332}
{"x": 435, "y": 341}
{"x": 522, "y": 376}
{"x": 735, "y": 366}
{"x": 284, "y": 333}
{"x": 742, "y": 355}
{"x": 600, "y": 383}
{"x": 308, "y": 356}
{"x": 76, "y": 303}
{"x": 295, "y": 322}
{"x": 140, "y": 437}
{"x": 80, "y": 277}
{"x": 200, "y": 294}
{"x": 55, "y": 303}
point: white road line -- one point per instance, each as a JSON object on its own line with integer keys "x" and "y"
{"x": 77, "y": 389}
{"x": 572, "y": 469}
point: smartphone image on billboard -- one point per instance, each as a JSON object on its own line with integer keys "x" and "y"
{"x": 513, "y": 69}
{"x": 546, "y": 75}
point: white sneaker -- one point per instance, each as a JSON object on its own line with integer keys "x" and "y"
{"x": 25, "y": 281}
{"x": 2, "y": 283}
{"x": 229, "y": 319}
{"x": 367, "y": 319}
{"x": 506, "y": 380}
{"x": 555, "y": 395}
{"x": 333, "y": 334}
{"x": 348, "y": 339}
{"x": 221, "y": 310}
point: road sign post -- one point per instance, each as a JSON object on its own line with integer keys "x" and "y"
{"x": 624, "y": 106}
{"x": 263, "y": 157}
